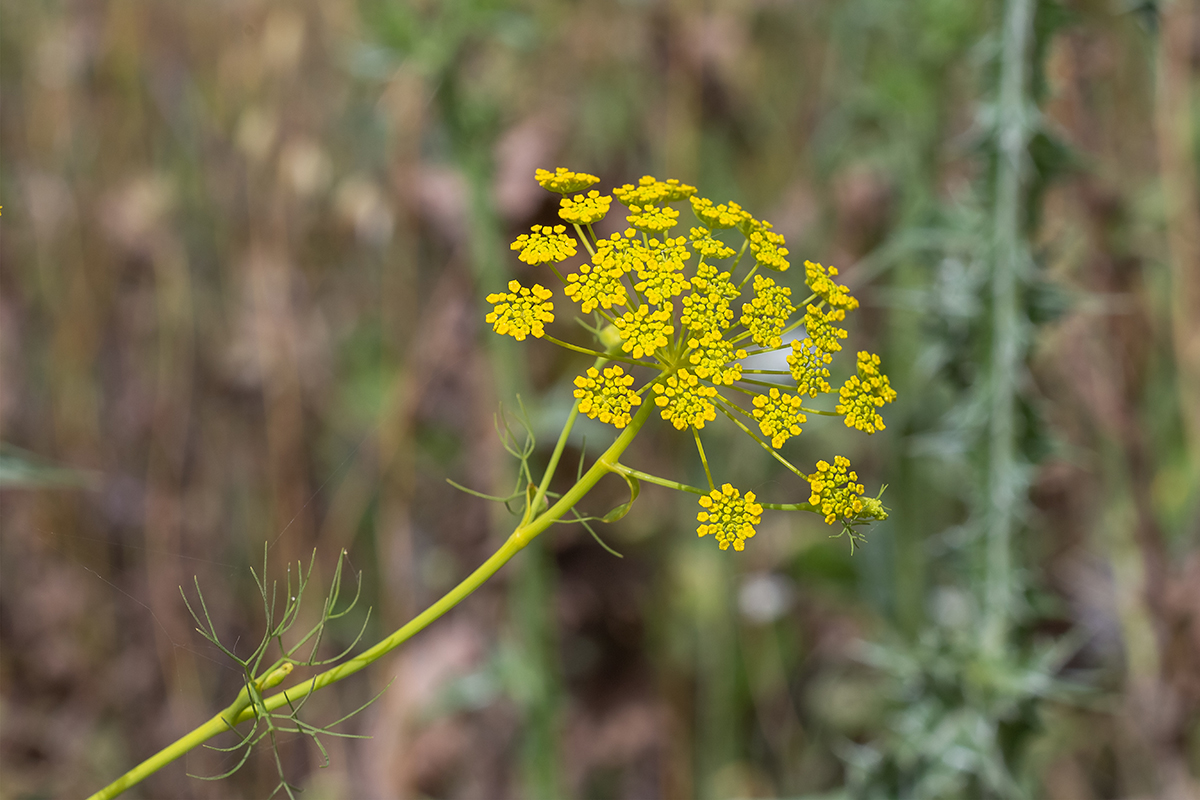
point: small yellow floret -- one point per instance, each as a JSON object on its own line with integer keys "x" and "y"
{"x": 766, "y": 315}
{"x": 653, "y": 219}
{"x": 607, "y": 396}
{"x": 707, "y": 307}
{"x": 712, "y": 358}
{"x": 835, "y": 491}
{"x": 643, "y": 331}
{"x": 625, "y": 253}
{"x": 563, "y": 181}
{"x": 811, "y": 356}
{"x": 821, "y": 282}
{"x": 863, "y": 393}
{"x": 660, "y": 274}
{"x": 729, "y": 517}
{"x": 545, "y": 244}
{"x": 651, "y": 191}
{"x": 598, "y": 283}
{"x": 584, "y": 209}
{"x": 718, "y": 216}
{"x": 676, "y": 191}
{"x": 820, "y": 328}
{"x": 521, "y": 311}
{"x": 768, "y": 248}
{"x": 685, "y": 401}
{"x": 709, "y": 246}
{"x": 779, "y": 416}
{"x": 809, "y": 368}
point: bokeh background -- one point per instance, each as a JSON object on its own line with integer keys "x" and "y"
{"x": 243, "y": 254}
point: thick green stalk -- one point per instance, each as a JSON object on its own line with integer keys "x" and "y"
{"x": 522, "y": 536}
{"x": 1009, "y": 256}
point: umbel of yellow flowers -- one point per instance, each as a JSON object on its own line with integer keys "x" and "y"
{"x": 666, "y": 308}
{"x": 675, "y": 316}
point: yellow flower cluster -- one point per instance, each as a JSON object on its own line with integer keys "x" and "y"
{"x": 596, "y": 285}
{"x": 675, "y": 315}
{"x": 872, "y": 509}
{"x": 768, "y": 248}
{"x": 708, "y": 245}
{"x": 863, "y": 393}
{"x": 712, "y": 358}
{"x": 624, "y": 252}
{"x": 521, "y": 311}
{"x": 584, "y": 209}
{"x": 545, "y": 244}
{"x": 653, "y": 219}
{"x": 766, "y": 315}
{"x": 607, "y": 396}
{"x": 563, "y": 181}
{"x": 729, "y": 516}
{"x": 718, "y": 217}
{"x": 644, "y": 330}
{"x": 685, "y": 401}
{"x": 819, "y": 327}
{"x": 822, "y": 284}
{"x": 650, "y": 191}
{"x": 660, "y": 273}
{"x": 811, "y": 356}
{"x": 708, "y": 307}
{"x": 809, "y": 368}
{"x": 779, "y": 417}
{"x": 835, "y": 491}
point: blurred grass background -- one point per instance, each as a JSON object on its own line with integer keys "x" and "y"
{"x": 241, "y": 276}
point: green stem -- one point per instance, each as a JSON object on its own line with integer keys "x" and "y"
{"x": 520, "y": 538}
{"x": 768, "y": 384}
{"x": 584, "y": 239}
{"x": 606, "y": 356}
{"x": 790, "y": 506}
{"x": 548, "y": 475}
{"x": 683, "y": 487}
{"x": 648, "y": 478}
{"x": 750, "y": 353}
{"x": 745, "y": 335}
{"x": 764, "y": 445}
{"x": 738, "y": 260}
{"x": 749, "y": 274}
{"x": 703, "y": 459}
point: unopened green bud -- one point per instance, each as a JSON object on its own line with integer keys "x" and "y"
{"x": 275, "y": 677}
{"x": 610, "y": 337}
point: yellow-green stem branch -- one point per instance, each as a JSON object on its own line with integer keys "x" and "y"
{"x": 749, "y": 274}
{"x": 606, "y": 356}
{"x": 548, "y": 475}
{"x": 703, "y": 459}
{"x": 239, "y": 712}
{"x": 584, "y": 239}
{"x": 764, "y": 445}
{"x": 648, "y": 478}
{"x": 790, "y": 507}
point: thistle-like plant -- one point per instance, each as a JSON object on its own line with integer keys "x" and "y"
{"x": 672, "y": 323}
